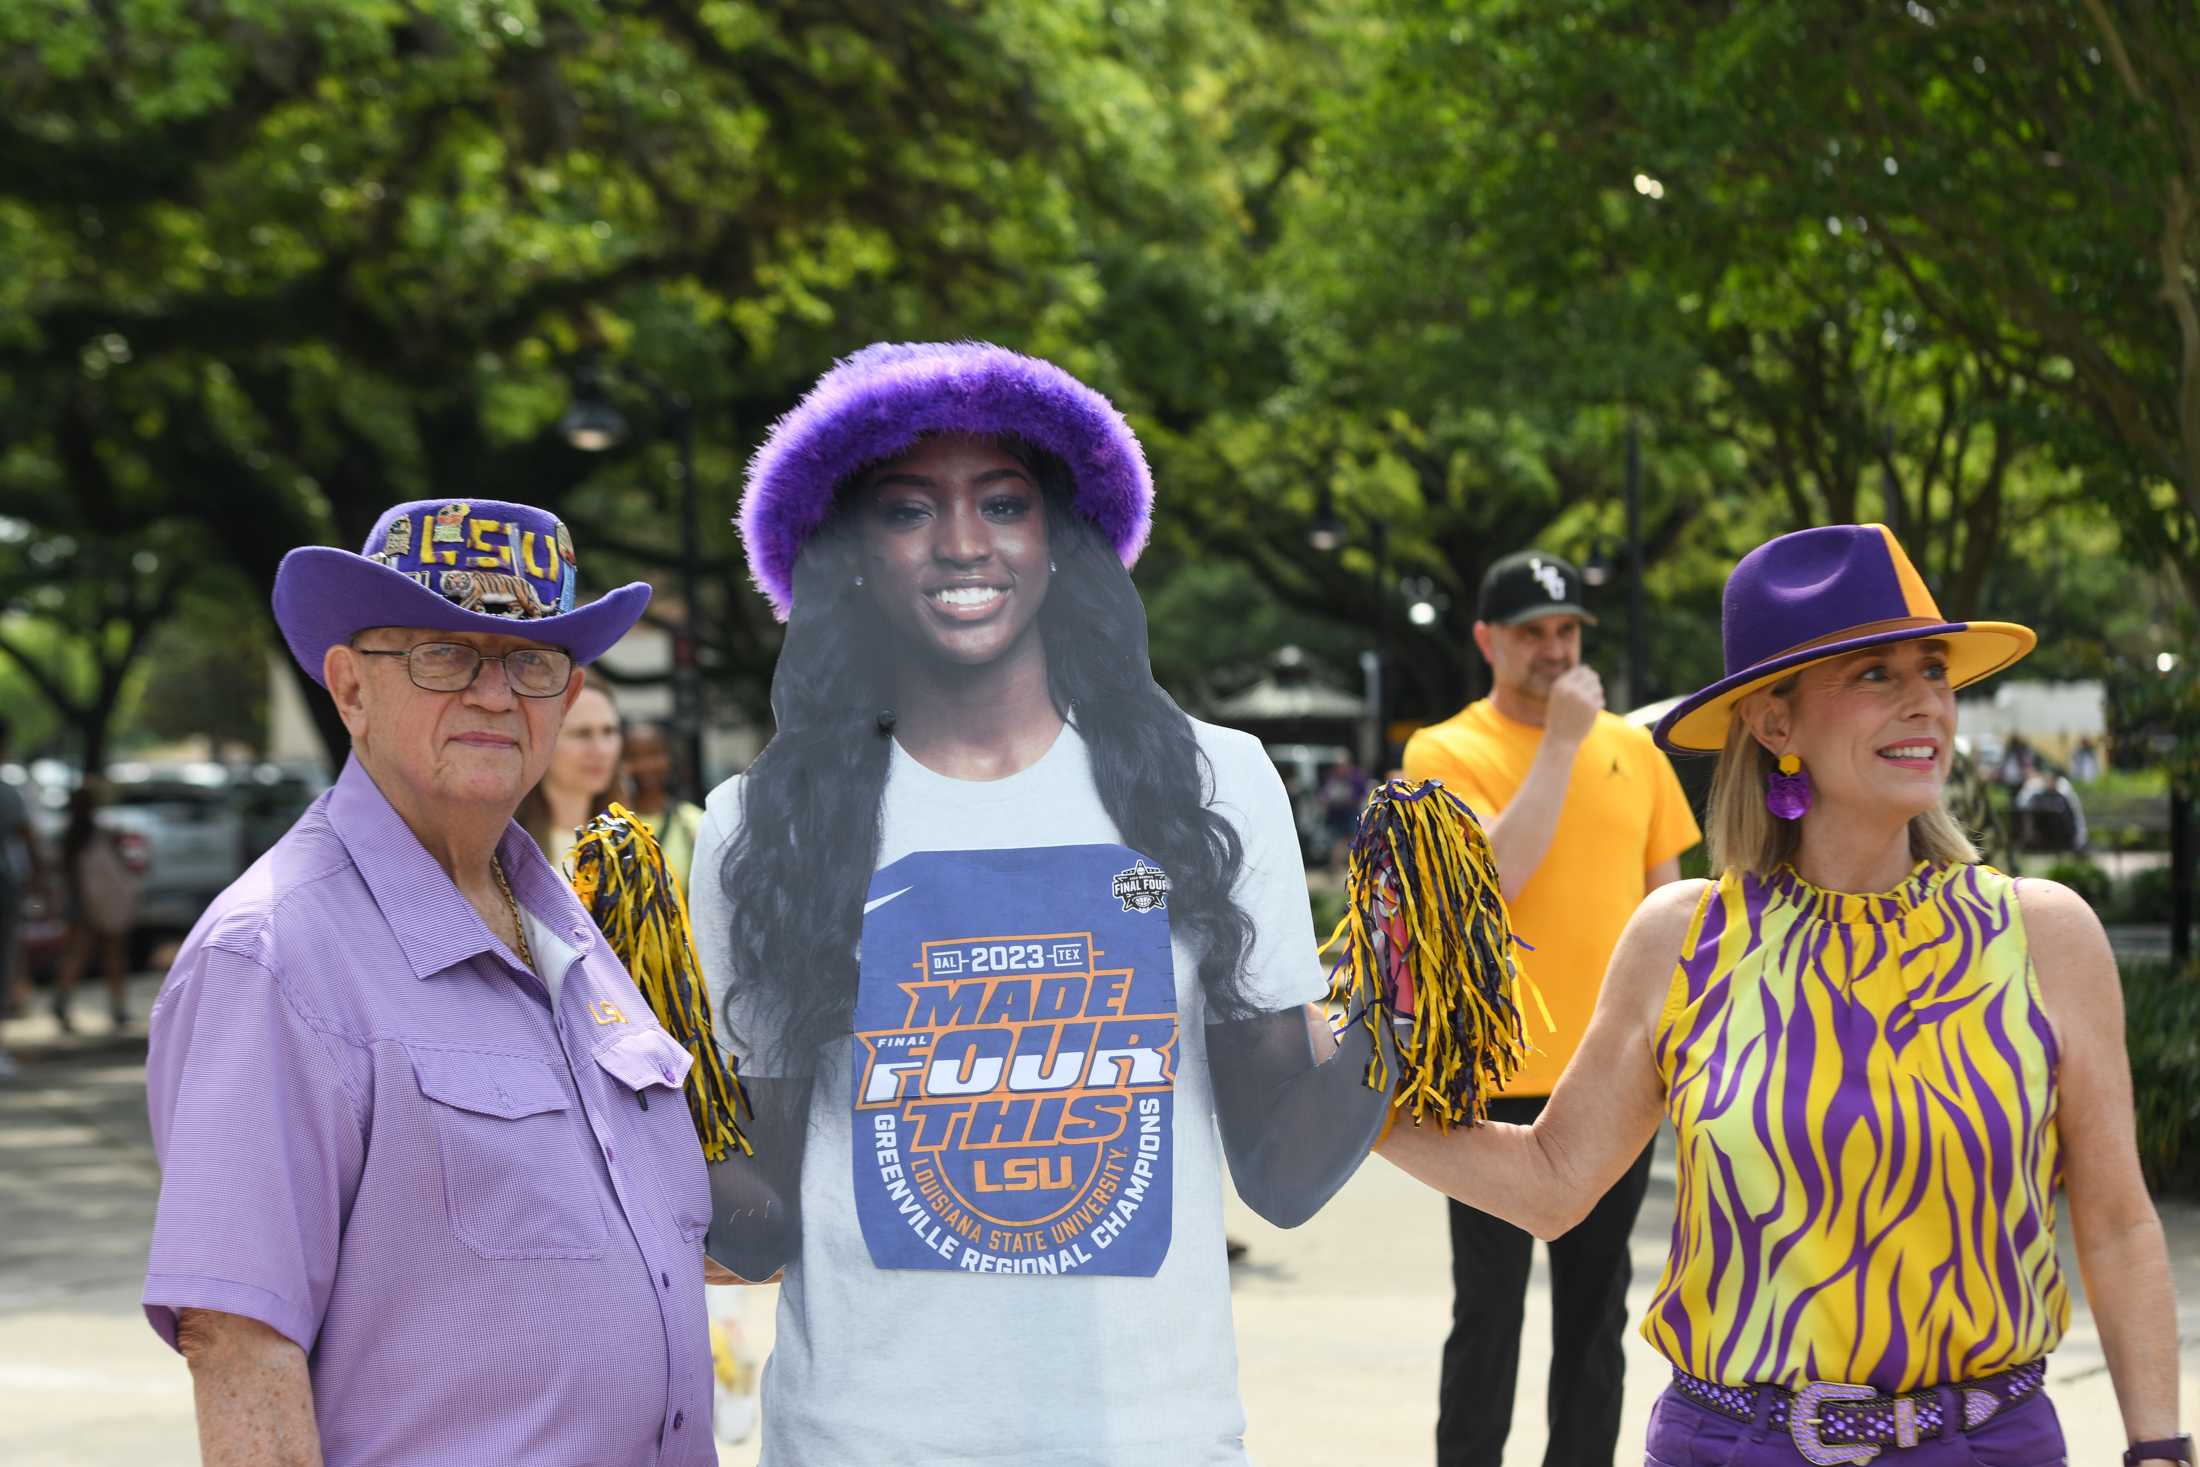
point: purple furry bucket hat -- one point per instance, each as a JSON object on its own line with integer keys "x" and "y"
{"x": 876, "y": 404}
{"x": 479, "y": 565}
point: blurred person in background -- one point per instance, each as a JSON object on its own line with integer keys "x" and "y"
{"x": 22, "y": 871}
{"x": 102, "y": 905}
{"x": 673, "y": 821}
{"x": 583, "y": 778}
{"x": 1342, "y": 795}
{"x": 1584, "y": 817}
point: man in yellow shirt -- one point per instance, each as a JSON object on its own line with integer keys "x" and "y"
{"x": 1584, "y": 815}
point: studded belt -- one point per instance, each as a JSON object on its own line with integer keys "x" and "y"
{"x": 1835, "y": 1425}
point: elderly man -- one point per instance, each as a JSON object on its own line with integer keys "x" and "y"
{"x": 429, "y": 1190}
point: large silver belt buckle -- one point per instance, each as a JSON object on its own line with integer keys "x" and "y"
{"x": 1803, "y": 1425}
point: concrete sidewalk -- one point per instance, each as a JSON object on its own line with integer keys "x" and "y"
{"x": 1340, "y": 1323}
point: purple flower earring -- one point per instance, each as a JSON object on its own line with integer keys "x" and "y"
{"x": 1787, "y": 788}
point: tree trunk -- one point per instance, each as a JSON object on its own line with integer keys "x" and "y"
{"x": 2180, "y": 875}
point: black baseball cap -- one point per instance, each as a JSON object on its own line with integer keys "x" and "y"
{"x": 1528, "y": 584}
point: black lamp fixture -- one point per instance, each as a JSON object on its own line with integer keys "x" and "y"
{"x": 1326, "y": 534}
{"x": 1596, "y": 571}
{"x": 592, "y": 422}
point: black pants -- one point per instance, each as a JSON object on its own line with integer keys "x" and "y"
{"x": 1489, "y": 1280}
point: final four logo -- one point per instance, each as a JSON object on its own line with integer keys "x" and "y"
{"x": 1015, "y": 1064}
{"x": 1143, "y": 888}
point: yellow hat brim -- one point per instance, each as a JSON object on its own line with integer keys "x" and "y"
{"x": 1976, "y": 649}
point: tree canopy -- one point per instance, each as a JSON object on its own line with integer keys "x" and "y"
{"x": 266, "y": 268}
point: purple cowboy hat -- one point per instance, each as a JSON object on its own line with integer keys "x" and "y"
{"x": 1822, "y": 593}
{"x": 875, "y": 404}
{"x": 480, "y": 565}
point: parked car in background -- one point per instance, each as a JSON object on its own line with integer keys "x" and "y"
{"x": 193, "y": 838}
{"x": 269, "y": 799}
{"x": 196, "y": 826}
{"x": 44, "y": 785}
{"x": 43, "y": 930}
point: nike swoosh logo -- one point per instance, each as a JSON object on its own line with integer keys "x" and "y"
{"x": 876, "y": 902}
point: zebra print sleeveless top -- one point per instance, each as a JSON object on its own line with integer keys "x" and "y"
{"x": 1864, "y": 1091}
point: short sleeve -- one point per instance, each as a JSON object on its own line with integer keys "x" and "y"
{"x": 260, "y": 1138}
{"x": 1428, "y": 757}
{"x": 745, "y": 1027}
{"x": 1673, "y": 827}
{"x": 1284, "y": 968}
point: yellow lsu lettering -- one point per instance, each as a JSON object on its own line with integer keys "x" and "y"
{"x": 1024, "y": 1174}
{"x": 491, "y": 554}
{"x": 604, "y": 1011}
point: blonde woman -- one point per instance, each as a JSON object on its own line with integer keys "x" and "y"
{"x": 1887, "y": 1066}
{"x": 584, "y": 776}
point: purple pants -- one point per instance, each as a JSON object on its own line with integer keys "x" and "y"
{"x": 1684, "y": 1434}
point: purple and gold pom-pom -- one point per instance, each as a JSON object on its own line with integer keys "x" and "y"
{"x": 619, "y": 875}
{"x": 1426, "y": 947}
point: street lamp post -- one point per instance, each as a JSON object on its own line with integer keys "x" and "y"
{"x": 687, "y": 671}
{"x": 592, "y": 423}
{"x": 1380, "y": 696}
{"x": 1326, "y": 534}
{"x": 1638, "y": 639}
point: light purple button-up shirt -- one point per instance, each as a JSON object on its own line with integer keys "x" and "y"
{"x": 481, "y": 1219}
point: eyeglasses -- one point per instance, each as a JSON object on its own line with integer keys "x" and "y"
{"x": 451, "y": 667}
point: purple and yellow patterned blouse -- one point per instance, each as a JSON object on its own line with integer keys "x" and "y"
{"x": 1864, "y": 1090}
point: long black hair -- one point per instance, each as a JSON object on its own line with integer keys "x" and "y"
{"x": 796, "y": 876}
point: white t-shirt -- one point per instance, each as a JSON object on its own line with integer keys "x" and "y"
{"x": 912, "y": 1366}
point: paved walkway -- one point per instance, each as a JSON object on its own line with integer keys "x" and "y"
{"x": 1339, "y": 1322}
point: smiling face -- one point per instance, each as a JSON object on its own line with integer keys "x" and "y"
{"x": 476, "y": 750}
{"x": 954, "y": 549}
{"x": 1875, "y": 729}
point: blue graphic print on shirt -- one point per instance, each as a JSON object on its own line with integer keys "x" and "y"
{"x": 1015, "y": 1062}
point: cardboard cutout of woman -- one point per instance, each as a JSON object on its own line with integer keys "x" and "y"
{"x": 1003, "y": 942}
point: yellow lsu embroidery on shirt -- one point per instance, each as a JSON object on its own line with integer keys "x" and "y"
{"x": 604, "y": 1011}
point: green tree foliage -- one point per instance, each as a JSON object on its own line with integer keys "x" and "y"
{"x": 204, "y": 675}
{"x": 265, "y": 268}
{"x": 86, "y": 598}
{"x": 293, "y": 262}
{"x": 1521, "y": 221}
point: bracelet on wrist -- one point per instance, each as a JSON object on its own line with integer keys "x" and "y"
{"x": 2168, "y": 1449}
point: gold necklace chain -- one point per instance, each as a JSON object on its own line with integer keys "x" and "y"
{"x": 511, "y": 903}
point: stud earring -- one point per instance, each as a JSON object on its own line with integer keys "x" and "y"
{"x": 859, "y": 580}
{"x": 1787, "y": 789}
{"x": 1052, "y": 567}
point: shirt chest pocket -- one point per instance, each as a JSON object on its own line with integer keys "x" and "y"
{"x": 516, "y": 1182}
{"x": 651, "y": 1065}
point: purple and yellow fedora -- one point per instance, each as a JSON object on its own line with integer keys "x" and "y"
{"x": 1823, "y": 593}
{"x": 476, "y": 565}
